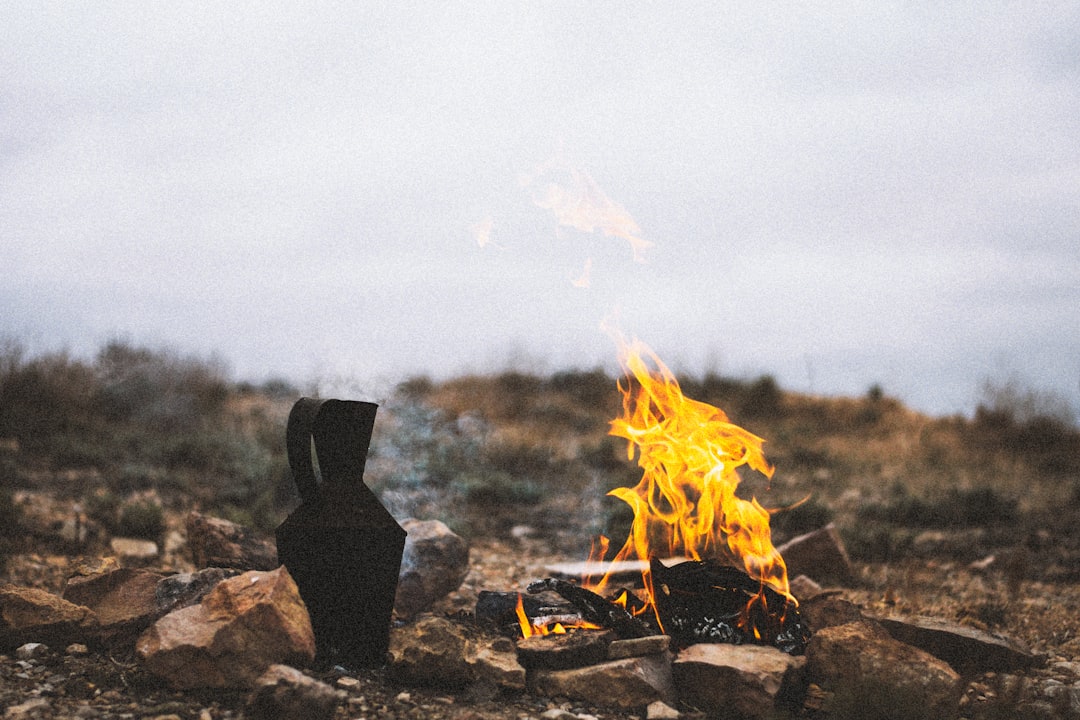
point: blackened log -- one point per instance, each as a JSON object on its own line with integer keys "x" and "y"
{"x": 705, "y": 601}
{"x": 499, "y": 610}
{"x": 594, "y": 608}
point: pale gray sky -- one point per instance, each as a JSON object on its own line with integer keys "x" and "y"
{"x": 835, "y": 193}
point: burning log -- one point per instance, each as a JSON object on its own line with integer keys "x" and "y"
{"x": 594, "y": 608}
{"x": 704, "y": 601}
{"x": 499, "y": 610}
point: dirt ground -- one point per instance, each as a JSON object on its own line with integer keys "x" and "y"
{"x": 76, "y": 683}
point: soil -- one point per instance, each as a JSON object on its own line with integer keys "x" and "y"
{"x": 74, "y": 682}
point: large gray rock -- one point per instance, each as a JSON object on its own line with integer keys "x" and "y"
{"x": 285, "y": 693}
{"x": 740, "y": 680}
{"x": 434, "y": 563}
{"x": 243, "y": 626}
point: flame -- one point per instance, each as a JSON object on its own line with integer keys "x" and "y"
{"x": 685, "y": 503}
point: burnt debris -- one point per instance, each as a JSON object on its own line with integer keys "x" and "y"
{"x": 697, "y": 602}
{"x": 706, "y": 601}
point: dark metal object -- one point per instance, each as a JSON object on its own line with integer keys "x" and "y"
{"x": 341, "y": 545}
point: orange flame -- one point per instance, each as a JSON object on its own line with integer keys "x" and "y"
{"x": 685, "y": 502}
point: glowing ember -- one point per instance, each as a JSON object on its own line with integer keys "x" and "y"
{"x": 685, "y": 504}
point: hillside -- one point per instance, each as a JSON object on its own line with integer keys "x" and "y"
{"x": 138, "y": 430}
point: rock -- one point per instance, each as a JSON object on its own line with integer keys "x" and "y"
{"x": 77, "y": 650}
{"x": 31, "y": 651}
{"x": 804, "y": 588}
{"x": 661, "y": 711}
{"x": 869, "y": 672}
{"x": 438, "y": 652}
{"x": 819, "y": 554}
{"x": 743, "y": 680}
{"x": 123, "y": 599}
{"x": 968, "y": 650}
{"x": 636, "y": 647}
{"x": 34, "y": 615}
{"x": 559, "y": 652}
{"x": 829, "y": 610}
{"x": 184, "y": 589}
{"x": 216, "y": 542}
{"x": 628, "y": 683}
{"x": 32, "y": 708}
{"x": 285, "y": 693}
{"x": 133, "y": 550}
{"x": 434, "y": 563}
{"x": 243, "y": 626}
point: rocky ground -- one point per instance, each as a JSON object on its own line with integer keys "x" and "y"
{"x": 77, "y": 682}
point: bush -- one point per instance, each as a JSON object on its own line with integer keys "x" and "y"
{"x": 141, "y": 519}
{"x": 498, "y": 488}
{"x": 591, "y": 388}
{"x": 975, "y": 507}
{"x": 802, "y": 518}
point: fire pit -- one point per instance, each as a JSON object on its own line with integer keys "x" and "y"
{"x": 732, "y": 586}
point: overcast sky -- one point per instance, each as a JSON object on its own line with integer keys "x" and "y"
{"x": 837, "y": 194}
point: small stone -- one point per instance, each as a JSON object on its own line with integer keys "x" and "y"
{"x": 661, "y": 711}
{"x": 1069, "y": 668}
{"x": 216, "y": 542}
{"x": 558, "y": 714}
{"x": 804, "y": 588}
{"x": 77, "y": 650}
{"x": 134, "y": 550}
{"x": 285, "y": 693}
{"x": 32, "y": 708}
{"x": 403, "y": 697}
{"x": 827, "y": 609}
{"x": 347, "y": 683}
{"x": 820, "y": 554}
{"x": 31, "y": 651}
{"x": 434, "y": 563}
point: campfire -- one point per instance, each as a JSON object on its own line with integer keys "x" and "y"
{"x": 728, "y": 582}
